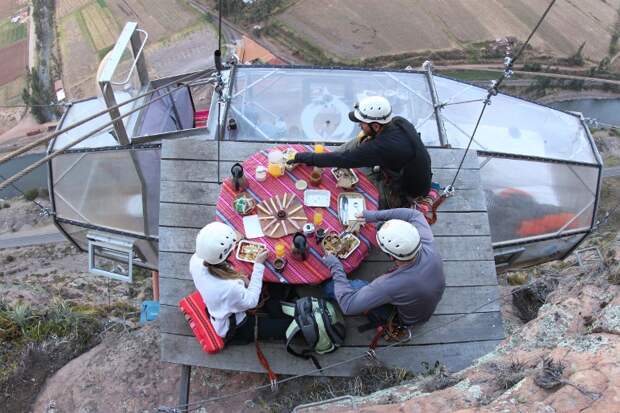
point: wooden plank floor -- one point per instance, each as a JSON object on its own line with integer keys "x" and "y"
{"x": 466, "y": 325}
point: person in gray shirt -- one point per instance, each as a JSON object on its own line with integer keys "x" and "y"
{"x": 417, "y": 283}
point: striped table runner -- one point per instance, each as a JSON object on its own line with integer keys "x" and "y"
{"x": 312, "y": 270}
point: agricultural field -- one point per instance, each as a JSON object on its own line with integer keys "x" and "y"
{"x": 66, "y": 7}
{"x": 161, "y": 19}
{"x": 12, "y": 32}
{"x": 350, "y": 30}
{"x": 89, "y": 28}
{"x": 97, "y": 23}
{"x": 11, "y": 92}
{"x": 9, "y": 7}
{"x": 13, "y": 61}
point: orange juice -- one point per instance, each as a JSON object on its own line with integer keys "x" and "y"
{"x": 275, "y": 169}
{"x": 317, "y": 218}
{"x": 280, "y": 250}
{"x": 319, "y": 148}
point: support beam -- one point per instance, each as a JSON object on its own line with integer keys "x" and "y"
{"x": 186, "y": 372}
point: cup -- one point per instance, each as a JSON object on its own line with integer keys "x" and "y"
{"x": 308, "y": 229}
{"x": 279, "y": 264}
{"x": 261, "y": 173}
{"x": 280, "y": 250}
{"x": 315, "y": 176}
{"x": 320, "y": 235}
{"x": 317, "y": 219}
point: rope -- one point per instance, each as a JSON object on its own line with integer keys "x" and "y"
{"x": 219, "y": 27}
{"x": 493, "y": 90}
{"x": 41, "y": 161}
{"x": 47, "y": 138}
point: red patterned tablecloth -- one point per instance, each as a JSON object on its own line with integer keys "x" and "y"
{"x": 312, "y": 270}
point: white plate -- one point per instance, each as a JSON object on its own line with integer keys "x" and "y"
{"x": 317, "y": 198}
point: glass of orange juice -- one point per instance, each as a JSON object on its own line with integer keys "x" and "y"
{"x": 317, "y": 218}
{"x": 280, "y": 250}
{"x": 319, "y": 148}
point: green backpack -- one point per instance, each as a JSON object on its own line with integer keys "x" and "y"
{"x": 320, "y": 323}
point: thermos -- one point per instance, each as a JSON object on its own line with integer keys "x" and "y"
{"x": 300, "y": 246}
{"x": 240, "y": 182}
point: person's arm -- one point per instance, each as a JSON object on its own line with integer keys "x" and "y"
{"x": 413, "y": 216}
{"x": 366, "y": 155}
{"x": 350, "y": 300}
{"x": 247, "y": 298}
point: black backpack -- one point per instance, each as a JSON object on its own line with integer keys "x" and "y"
{"x": 320, "y": 323}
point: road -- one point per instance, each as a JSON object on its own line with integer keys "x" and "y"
{"x": 500, "y": 67}
{"x": 17, "y": 240}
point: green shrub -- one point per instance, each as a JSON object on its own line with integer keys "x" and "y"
{"x": 31, "y": 194}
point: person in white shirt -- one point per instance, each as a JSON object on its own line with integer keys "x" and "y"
{"x": 228, "y": 294}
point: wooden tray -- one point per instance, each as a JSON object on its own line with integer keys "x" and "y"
{"x": 281, "y": 215}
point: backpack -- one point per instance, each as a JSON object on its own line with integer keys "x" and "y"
{"x": 320, "y": 323}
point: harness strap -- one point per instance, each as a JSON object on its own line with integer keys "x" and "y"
{"x": 304, "y": 354}
{"x": 273, "y": 379}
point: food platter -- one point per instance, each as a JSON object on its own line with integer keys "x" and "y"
{"x": 281, "y": 215}
{"x": 248, "y": 250}
{"x": 340, "y": 245}
{"x": 345, "y": 178}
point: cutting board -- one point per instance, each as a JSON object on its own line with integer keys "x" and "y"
{"x": 281, "y": 215}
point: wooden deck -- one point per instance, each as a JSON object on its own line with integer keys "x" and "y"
{"x": 461, "y": 330}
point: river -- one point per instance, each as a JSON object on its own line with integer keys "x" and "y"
{"x": 603, "y": 110}
{"x": 36, "y": 179}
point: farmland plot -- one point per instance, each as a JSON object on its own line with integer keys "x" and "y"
{"x": 79, "y": 61}
{"x": 11, "y": 33}
{"x": 66, "y": 7}
{"x": 160, "y": 19}
{"x": 352, "y": 29}
{"x": 101, "y": 26}
{"x": 9, "y": 7}
{"x": 13, "y": 61}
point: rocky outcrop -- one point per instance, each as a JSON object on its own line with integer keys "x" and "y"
{"x": 577, "y": 329}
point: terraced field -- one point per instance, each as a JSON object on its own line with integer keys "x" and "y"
{"x": 353, "y": 29}
{"x": 99, "y": 25}
{"x": 11, "y": 33}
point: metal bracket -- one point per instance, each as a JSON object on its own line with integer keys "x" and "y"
{"x": 589, "y": 256}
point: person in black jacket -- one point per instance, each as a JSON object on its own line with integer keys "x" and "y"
{"x": 389, "y": 142}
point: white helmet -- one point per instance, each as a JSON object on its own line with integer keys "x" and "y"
{"x": 372, "y": 109}
{"x": 400, "y": 239}
{"x": 215, "y": 242}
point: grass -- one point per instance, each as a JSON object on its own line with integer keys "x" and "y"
{"x": 22, "y": 326}
{"x": 11, "y": 33}
{"x": 11, "y": 93}
{"x": 472, "y": 74}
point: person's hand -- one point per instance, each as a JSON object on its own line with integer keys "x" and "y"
{"x": 359, "y": 217}
{"x": 261, "y": 257}
{"x": 329, "y": 259}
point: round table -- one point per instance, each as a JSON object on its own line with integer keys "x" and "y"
{"x": 312, "y": 270}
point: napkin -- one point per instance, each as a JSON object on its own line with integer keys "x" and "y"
{"x": 251, "y": 227}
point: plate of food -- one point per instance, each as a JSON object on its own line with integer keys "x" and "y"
{"x": 340, "y": 245}
{"x": 331, "y": 243}
{"x": 348, "y": 243}
{"x": 345, "y": 178}
{"x": 248, "y": 250}
{"x": 243, "y": 203}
